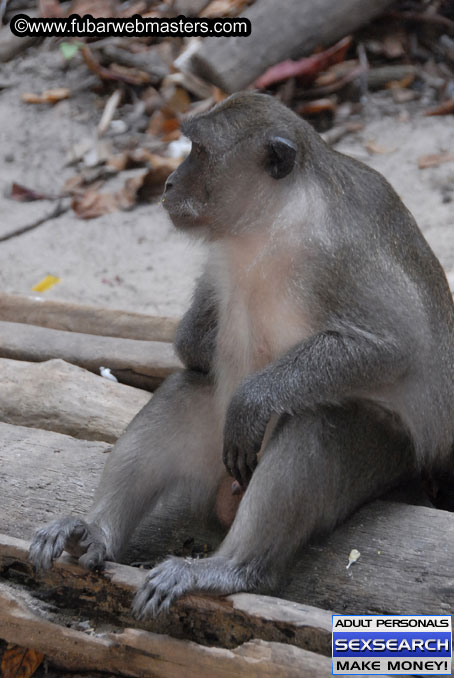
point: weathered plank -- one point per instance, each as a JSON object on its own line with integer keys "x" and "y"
{"x": 134, "y": 652}
{"x": 225, "y": 622}
{"x": 405, "y": 565}
{"x": 138, "y": 363}
{"x": 44, "y": 475}
{"x": 57, "y": 396}
{"x": 62, "y": 315}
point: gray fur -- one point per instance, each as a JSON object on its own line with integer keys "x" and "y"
{"x": 318, "y": 352}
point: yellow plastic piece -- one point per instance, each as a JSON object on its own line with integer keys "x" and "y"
{"x": 46, "y": 283}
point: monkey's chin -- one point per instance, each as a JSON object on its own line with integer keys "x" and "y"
{"x": 188, "y": 224}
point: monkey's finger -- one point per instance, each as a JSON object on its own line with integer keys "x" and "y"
{"x": 47, "y": 545}
{"x": 243, "y": 471}
{"x": 230, "y": 457}
{"x": 140, "y": 601}
{"x": 41, "y": 553}
{"x": 95, "y": 556}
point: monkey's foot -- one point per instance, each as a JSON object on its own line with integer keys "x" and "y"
{"x": 84, "y": 541}
{"x": 176, "y": 576}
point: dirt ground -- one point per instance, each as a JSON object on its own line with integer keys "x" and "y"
{"x": 135, "y": 260}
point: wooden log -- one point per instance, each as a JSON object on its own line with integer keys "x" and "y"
{"x": 134, "y": 652}
{"x": 278, "y": 33}
{"x": 57, "y": 396}
{"x": 405, "y": 565}
{"x": 62, "y": 315}
{"x": 44, "y": 475}
{"x": 208, "y": 620}
{"x": 138, "y": 363}
{"x": 406, "y": 551}
{"x": 11, "y": 45}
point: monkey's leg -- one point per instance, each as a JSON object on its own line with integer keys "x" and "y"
{"x": 172, "y": 444}
{"x": 316, "y": 469}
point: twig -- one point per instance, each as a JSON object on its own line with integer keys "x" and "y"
{"x": 56, "y": 212}
{"x": 109, "y": 111}
{"x": 423, "y": 17}
{"x": 3, "y": 5}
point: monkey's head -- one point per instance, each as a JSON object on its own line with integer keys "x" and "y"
{"x": 244, "y": 159}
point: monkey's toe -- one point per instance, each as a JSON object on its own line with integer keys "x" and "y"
{"x": 164, "y": 584}
{"x": 67, "y": 534}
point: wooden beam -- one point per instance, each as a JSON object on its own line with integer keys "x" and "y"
{"x": 57, "y": 396}
{"x": 232, "y": 62}
{"x": 137, "y": 363}
{"x": 137, "y": 653}
{"x": 43, "y": 475}
{"x": 225, "y": 622}
{"x": 62, "y": 315}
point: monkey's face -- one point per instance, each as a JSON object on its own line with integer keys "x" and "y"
{"x": 234, "y": 173}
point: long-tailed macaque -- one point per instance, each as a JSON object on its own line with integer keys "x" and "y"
{"x": 319, "y": 341}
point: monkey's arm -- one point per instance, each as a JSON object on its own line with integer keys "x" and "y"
{"x": 328, "y": 368}
{"x": 196, "y": 334}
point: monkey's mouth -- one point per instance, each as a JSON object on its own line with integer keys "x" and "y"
{"x": 183, "y": 214}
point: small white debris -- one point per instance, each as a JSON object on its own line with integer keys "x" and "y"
{"x": 107, "y": 374}
{"x": 352, "y": 558}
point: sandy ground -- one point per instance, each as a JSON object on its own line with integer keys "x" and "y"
{"x": 135, "y": 260}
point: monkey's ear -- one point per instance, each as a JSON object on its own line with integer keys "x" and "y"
{"x": 281, "y": 157}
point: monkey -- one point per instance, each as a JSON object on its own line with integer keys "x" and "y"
{"x": 318, "y": 368}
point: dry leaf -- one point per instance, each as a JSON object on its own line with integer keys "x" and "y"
{"x": 128, "y": 159}
{"x": 434, "y": 160}
{"x": 91, "y": 204}
{"x": 50, "y": 9}
{"x": 373, "y": 147}
{"x": 161, "y": 124}
{"x": 73, "y": 184}
{"x": 307, "y": 67}
{"x": 138, "y": 7}
{"x": 23, "y": 194}
{"x": 177, "y": 100}
{"x": 316, "y": 106}
{"x": 446, "y": 108}
{"x": 393, "y": 45}
{"x": 20, "y": 662}
{"x": 98, "y": 9}
{"x": 49, "y": 96}
{"x": 134, "y": 75}
{"x": 220, "y": 8}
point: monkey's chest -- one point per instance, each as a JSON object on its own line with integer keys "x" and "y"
{"x": 257, "y": 324}
{"x": 259, "y": 315}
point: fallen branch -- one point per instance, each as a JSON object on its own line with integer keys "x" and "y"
{"x": 58, "y": 210}
{"x": 57, "y": 396}
{"x": 62, "y": 315}
{"x": 138, "y": 363}
{"x": 132, "y": 652}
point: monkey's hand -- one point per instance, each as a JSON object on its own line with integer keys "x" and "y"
{"x": 246, "y": 421}
{"x": 80, "y": 539}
